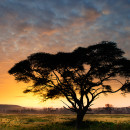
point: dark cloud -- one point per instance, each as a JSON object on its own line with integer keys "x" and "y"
{"x": 42, "y": 14}
{"x": 29, "y": 26}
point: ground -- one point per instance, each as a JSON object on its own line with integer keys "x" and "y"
{"x": 63, "y": 122}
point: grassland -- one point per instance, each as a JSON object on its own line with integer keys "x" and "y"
{"x": 63, "y": 122}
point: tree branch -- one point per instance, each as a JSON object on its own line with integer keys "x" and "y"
{"x": 64, "y": 91}
{"x": 107, "y": 92}
{"x": 72, "y": 94}
{"x": 97, "y": 90}
{"x": 91, "y": 95}
{"x": 72, "y": 109}
{"x": 117, "y": 80}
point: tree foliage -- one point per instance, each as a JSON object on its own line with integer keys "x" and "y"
{"x": 79, "y": 76}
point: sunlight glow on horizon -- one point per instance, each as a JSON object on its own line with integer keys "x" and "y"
{"x": 17, "y": 97}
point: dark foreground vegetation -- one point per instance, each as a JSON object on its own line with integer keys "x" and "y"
{"x": 64, "y": 122}
{"x": 86, "y": 125}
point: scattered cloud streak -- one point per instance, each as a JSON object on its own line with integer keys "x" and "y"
{"x": 29, "y": 26}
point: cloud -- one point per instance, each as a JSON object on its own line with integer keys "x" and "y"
{"x": 29, "y": 26}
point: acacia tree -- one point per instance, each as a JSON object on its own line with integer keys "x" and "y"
{"x": 80, "y": 76}
{"x": 108, "y": 108}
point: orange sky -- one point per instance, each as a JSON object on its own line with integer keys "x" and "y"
{"x": 51, "y": 26}
{"x": 11, "y": 92}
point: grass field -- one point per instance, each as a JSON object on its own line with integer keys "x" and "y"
{"x": 63, "y": 122}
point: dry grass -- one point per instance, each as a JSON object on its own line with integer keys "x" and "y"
{"x": 50, "y": 121}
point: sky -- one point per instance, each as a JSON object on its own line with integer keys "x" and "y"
{"x": 30, "y": 26}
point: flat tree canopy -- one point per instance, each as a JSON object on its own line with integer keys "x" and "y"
{"x": 79, "y": 76}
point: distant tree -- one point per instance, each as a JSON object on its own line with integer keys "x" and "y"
{"x": 80, "y": 76}
{"x": 109, "y": 107}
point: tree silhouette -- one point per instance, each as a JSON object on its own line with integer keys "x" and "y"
{"x": 80, "y": 76}
{"x": 109, "y": 108}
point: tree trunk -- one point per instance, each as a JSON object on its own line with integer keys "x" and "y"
{"x": 80, "y": 116}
